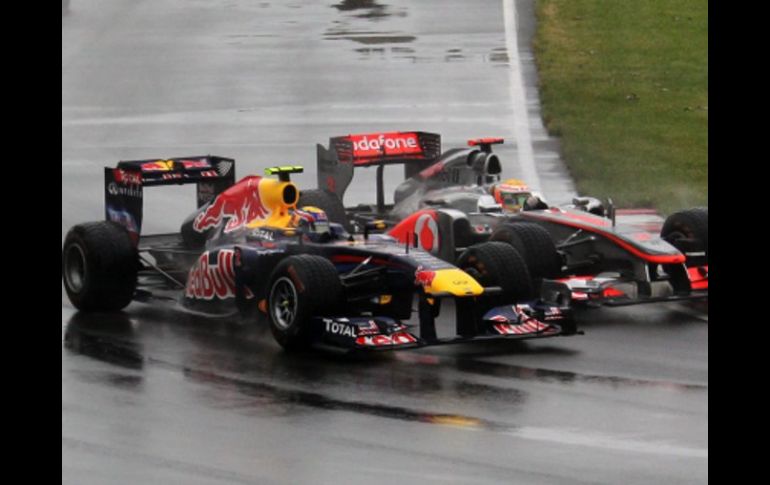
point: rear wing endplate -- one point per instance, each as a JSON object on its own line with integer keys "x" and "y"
{"x": 124, "y": 184}
{"x": 416, "y": 150}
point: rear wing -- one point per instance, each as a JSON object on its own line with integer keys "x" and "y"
{"x": 416, "y": 150}
{"x": 124, "y": 184}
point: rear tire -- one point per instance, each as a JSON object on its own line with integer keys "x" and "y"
{"x": 496, "y": 263}
{"x": 692, "y": 224}
{"x": 327, "y": 202}
{"x": 99, "y": 266}
{"x": 300, "y": 288}
{"x": 535, "y": 246}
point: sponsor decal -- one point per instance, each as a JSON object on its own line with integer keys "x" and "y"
{"x": 423, "y": 277}
{"x": 264, "y": 234}
{"x": 530, "y": 326}
{"x": 158, "y": 166}
{"x": 172, "y": 176}
{"x": 426, "y": 229}
{"x": 209, "y": 173}
{"x": 239, "y": 204}
{"x": 195, "y": 164}
{"x": 612, "y": 293}
{"x": 124, "y": 218}
{"x": 425, "y": 225}
{"x": 553, "y": 318}
{"x": 400, "y": 338}
{"x": 526, "y": 323}
{"x": 129, "y": 191}
{"x": 212, "y": 276}
{"x": 205, "y": 192}
{"x": 338, "y": 328}
{"x": 127, "y": 177}
{"x": 370, "y": 328}
{"x": 386, "y": 144}
{"x": 553, "y": 313}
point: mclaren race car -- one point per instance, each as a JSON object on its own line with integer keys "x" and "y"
{"x": 254, "y": 245}
{"x": 454, "y": 200}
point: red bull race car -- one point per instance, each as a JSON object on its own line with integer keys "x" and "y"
{"x": 454, "y": 200}
{"x": 256, "y": 245}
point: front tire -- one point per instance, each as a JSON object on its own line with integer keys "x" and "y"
{"x": 535, "y": 246}
{"x": 300, "y": 288}
{"x": 688, "y": 231}
{"x": 497, "y": 263}
{"x": 99, "y": 266}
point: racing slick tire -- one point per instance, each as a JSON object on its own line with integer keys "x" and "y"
{"x": 99, "y": 266}
{"x": 327, "y": 202}
{"x": 496, "y": 263}
{"x": 688, "y": 231}
{"x": 535, "y": 246}
{"x": 300, "y": 288}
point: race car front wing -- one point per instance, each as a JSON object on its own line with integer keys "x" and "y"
{"x": 535, "y": 319}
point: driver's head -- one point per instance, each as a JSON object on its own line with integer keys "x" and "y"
{"x": 511, "y": 194}
{"x": 313, "y": 222}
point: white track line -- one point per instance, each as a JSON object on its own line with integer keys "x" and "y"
{"x": 519, "y": 98}
{"x": 592, "y": 439}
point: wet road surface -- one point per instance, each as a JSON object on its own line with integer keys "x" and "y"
{"x": 161, "y": 396}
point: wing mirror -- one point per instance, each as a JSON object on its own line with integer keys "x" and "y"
{"x": 376, "y": 226}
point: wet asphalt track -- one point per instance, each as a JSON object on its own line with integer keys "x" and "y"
{"x": 160, "y": 396}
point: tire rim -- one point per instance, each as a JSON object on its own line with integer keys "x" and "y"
{"x": 283, "y": 303}
{"x": 75, "y": 268}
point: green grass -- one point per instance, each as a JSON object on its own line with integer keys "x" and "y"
{"x": 625, "y": 86}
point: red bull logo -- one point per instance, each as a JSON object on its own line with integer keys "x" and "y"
{"x": 158, "y": 166}
{"x": 424, "y": 277}
{"x": 239, "y": 204}
{"x": 207, "y": 280}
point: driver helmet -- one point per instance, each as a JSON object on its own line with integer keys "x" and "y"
{"x": 511, "y": 194}
{"x": 314, "y": 222}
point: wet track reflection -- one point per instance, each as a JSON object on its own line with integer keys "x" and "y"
{"x": 238, "y": 358}
{"x": 230, "y": 360}
{"x": 235, "y": 367}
